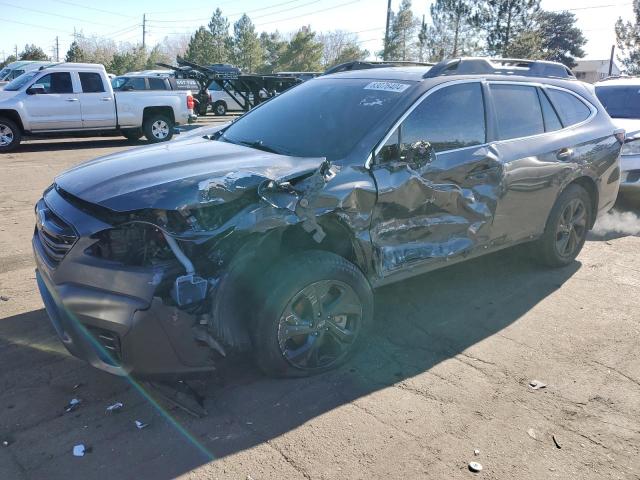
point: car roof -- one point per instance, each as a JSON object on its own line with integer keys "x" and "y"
{"x": 74, "y": 66}
{"x": 613, "y": 81}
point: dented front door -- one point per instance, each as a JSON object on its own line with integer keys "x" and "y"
{"x": 431, "y": 208}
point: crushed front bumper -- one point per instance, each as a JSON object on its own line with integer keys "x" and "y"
{"x": 106, "y": 313}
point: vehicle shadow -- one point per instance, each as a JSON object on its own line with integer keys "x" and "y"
{"x": 34, "y": 145}
{"x": 419, "y": 323}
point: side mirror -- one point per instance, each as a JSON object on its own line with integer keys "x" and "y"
{"x": 419, "y": 153}
{"x": 36, "y": 89}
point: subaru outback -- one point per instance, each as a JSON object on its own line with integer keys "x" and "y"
{"x": 267, "y": 236}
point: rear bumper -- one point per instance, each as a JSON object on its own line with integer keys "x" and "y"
{"x": 112, "y": 317}
{"x": 630, "y": 174}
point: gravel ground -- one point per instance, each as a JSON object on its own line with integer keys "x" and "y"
{"x": 445, "y": 372}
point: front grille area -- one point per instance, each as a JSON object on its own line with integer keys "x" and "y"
{"x": 55, "y": 236}
{"x": 109, "y": 349}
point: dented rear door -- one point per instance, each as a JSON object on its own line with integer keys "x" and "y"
{"x": 429, "y": 212}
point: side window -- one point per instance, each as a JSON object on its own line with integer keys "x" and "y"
{"x": 518, "y": 111}
{"x": 570, "y": 109}
{"x": 157, "y": 84}
{"x": 91, "y": 82}
{"x": 59, "y": 82}
{"x": 135, "y": 83}
{"x": 551, "y": 120}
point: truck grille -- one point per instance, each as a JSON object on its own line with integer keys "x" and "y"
{"x": 55, "y": 236}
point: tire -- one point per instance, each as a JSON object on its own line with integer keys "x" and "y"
{"x": 566, "y": 228}
{"x": 133, "y": 134}
{"x": 10, "y": 135}
{"x": 220, "y": 108}
{"x": 328, "y": 331}
{"x": 157, "y": 128}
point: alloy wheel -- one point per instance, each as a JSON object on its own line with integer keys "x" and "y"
{"x": 572, "y": 228}
{"x": 6, "y": 135}
{"x": 319, "y": 325}
{"x": 160, "y": 129}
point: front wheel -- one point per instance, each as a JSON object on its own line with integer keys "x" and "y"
{"x": 158, "y": 128}
{"x": 315, "y": 312}
{"x": 10, "y": 135}
{"x": 566, "y": 229}
{"x": 220, "y": 109}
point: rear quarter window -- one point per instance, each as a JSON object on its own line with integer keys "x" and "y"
{"x": 571, "y": 109}
{"x": 518, "y": 111}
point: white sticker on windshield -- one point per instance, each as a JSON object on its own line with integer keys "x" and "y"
{"x": 387, "y": 86}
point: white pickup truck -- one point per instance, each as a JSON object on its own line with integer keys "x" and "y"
{"x": 77, "y": 99}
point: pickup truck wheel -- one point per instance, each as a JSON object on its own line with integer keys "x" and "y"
{"x": 566, "y": 229}
{"x": 10, "y": 135}
{"x": 133, "y": 134}
{"x": 158, "y": 128}
{"x": 316, "y": 309}
{"x": 220, "y": 109}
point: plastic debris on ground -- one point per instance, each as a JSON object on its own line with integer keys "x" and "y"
{"x": 555, "y": 440}
{"x": 72, "y": 405}
{"x": 77, "y": 386}
{"x": 475, "y": 467}
{"x": 537, "y": 384}
{"x": 3, "y": 298}
{"x": 140, "y": 425}
{"x": 476, "y": 452}
{"x": 6, "y": 443}
{"x": 80, "y": 450}
{"x": 115, "y": 408}
{"x": 532, "y": 433}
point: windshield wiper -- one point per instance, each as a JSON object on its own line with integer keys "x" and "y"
{"x": 258, "y": 145}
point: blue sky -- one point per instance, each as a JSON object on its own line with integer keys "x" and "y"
{"x": 40, "y": 21}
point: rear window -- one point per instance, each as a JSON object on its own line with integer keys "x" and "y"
{"x": 569, "y": 107}
{"x": 518, "y": 111}
{"x": 620, "y": 101}
{"x": 91, "y": 82}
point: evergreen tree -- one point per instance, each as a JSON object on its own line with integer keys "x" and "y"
{"x": 562, "y": 40}
{"x": 503, "y": 20}
{"x": 247, "y": 49}
{"x": 303, "y": 53}
{"x": 31, "y": 52}
{"x": 75, "y": 53}
{"x": 200, "y": 49}
{"x": 401, "y": 43}
{"x": 7, "y": 61}
{"x": 453, "y": 32}
{"x": 131, "y": 60}
{"x": 156, "y": 56}
{"x": 273, "y": 46}
{"x": 628, "y": 40}
{"x": 221, "y": 40}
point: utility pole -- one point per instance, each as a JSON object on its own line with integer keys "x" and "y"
{"x": 613, "y": 49}
{"x": 386, "y": 31}
{"x": 16, "y": 46}
{"x": 144, "y": 29}
{"x": 57, "y": 49}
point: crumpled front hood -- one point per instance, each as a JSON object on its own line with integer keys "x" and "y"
{"x": 178, "y": 174}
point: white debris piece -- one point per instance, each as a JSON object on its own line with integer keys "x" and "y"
{"x": 475, "y": 467}
{"x": 78, "y": 450}
{"x": 537, "y": 384}
{"x": 72, "y": 405}
{"x": 140, "y": 425}
{"x": 115, "y": 407}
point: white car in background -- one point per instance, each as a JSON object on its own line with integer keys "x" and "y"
{"x": 621, "y": 98}
{"x": 15, "y": 69}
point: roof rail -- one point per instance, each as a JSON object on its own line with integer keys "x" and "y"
{"x": 499, "y": 66}
{"x": 363, "y": 65}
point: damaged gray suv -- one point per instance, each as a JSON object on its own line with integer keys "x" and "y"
{"x": 267, "y": 236}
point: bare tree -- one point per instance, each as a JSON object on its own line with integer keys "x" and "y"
{"x": 340, "y": 46}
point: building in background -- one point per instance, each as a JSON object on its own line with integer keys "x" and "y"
{"x": 593, "y": 71}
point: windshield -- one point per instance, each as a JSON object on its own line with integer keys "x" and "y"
{"x": 20, "y": 82}
{"x": 319, "y": 118}
{"x": 620, "y": 101}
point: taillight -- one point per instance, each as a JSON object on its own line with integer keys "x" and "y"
{"x": 190, "y": 103}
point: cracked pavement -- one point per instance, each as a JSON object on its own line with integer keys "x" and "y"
{"x": 445, "y": 371}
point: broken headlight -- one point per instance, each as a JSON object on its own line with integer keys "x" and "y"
{"x": 135, "y": 244}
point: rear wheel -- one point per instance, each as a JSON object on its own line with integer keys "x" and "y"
{"x": 566, "y": 229}
{"x": 315, "y": 312}
{"x": 10, "y": 135}
{"x": 158, "y": 128}
{"x": 220, "y": 108}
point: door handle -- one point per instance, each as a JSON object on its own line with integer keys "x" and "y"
{"x": 105, "y": 99}
{"x": 565, "y": 154}
{"x": 72, "y": 99}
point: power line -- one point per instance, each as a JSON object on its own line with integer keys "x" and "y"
{"x": 29, "y": 24}
{"x": 94, "y": 9}
{"x": 592, "y": 7}
{"x": 42, "y": 12}
{"x": 310, "y": 13}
